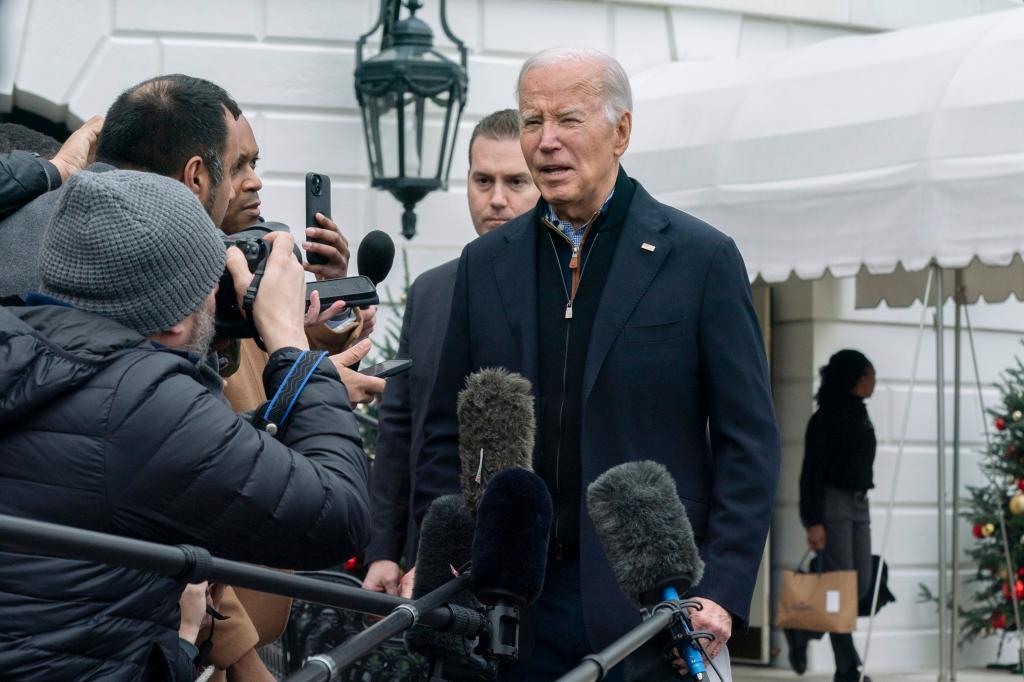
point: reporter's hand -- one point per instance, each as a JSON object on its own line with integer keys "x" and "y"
{"x": 369, "y": 319}
{"x": 280, "y": 304}
{"x": 383, "y": 576}
{"x": 714, "y": 619}
{"x": 213, "y": 597}
{"x": 79, "y": 150}
{"x": 334, "y": 249}
{"x": 315, "y": 318}
{"x": 360, "y": 388}
{"x": 406, "y": 583}
{"x": 816, "y": 537}
{"x": 193, "y": 611}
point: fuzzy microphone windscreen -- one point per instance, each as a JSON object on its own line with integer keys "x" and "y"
{"x": 495, "y": 413}
{"x": 446, "y": 542}
{"x": 644, "y": 531}
{"x": 375, "y": 256}
{"x": 510, "y": 546}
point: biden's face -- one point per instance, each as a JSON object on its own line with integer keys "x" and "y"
{"x": 570, "y": 146}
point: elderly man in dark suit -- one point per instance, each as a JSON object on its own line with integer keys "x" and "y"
{"x": 635, "y": 325}
{"x": 499, "y": 187}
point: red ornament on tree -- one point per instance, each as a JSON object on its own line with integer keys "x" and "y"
{"x": 1018, "y": 588}
{"x": 1020, "y": 485}
{"x": 976, "y": 531}
{"x": 1020, "y": 572}
{"x": 999, "y": 621}
{"x": 1000, "y": 424}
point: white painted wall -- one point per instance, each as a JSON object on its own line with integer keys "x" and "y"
{"x": 289, "y": 63}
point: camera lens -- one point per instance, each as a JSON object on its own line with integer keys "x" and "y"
{"x": 315, "y": 185}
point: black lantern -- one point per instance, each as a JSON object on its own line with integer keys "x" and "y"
{"x": 411, "y": 97}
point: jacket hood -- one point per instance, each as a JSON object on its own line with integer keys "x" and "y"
{"x": 47, "y": 350}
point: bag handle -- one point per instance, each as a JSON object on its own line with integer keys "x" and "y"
{"x": 821, "y": 564}
{"x": 800, "y": 563}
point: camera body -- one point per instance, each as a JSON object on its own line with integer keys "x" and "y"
{"x": 229, "y": 321}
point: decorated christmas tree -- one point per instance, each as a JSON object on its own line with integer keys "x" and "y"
{"x": 995, "y": 507}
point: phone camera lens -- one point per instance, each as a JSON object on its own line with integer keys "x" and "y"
{"x": 315, "y": 185}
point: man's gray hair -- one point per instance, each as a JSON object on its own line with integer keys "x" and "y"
{"x": 615, "y": 90}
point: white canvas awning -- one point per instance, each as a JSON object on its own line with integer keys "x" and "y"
{"x": 862, "y": 153}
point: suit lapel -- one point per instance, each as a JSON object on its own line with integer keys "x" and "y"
{"x": 634, "y": 266}
{"x": 515, "y": 269}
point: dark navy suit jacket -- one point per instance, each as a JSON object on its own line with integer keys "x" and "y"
{"x": 402, "y": 412}
{"x": 675, "y": 372}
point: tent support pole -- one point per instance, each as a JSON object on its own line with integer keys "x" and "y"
{"x": 887, "y": 527}
{"x": 940, "y": 406}
{"x": 958, "y": 302}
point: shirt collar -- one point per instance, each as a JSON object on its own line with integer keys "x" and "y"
{"x": 567, "y": 227}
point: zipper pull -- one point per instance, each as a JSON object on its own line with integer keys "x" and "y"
{"x": 568, "y": 310}
{"x": 480, "y": 468}
{"x": 574, "y": 262}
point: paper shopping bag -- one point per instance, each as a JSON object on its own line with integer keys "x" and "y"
{"x": 824, "y": 601}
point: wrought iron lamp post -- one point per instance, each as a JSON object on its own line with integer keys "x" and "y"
{"x": 411, "y": 97}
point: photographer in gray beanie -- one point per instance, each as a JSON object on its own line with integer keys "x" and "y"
{"x": 133, "y": 247}
{"x": 107, "y": 422}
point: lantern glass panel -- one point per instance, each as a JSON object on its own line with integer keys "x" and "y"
{"x": 426, "y": 135}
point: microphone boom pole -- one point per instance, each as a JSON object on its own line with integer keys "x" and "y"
{"x": 194, "y": 564}
{"x": 596, "y": 666}
{"x": 327, "y": 666}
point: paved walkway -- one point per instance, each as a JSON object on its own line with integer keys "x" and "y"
{"x": 745, "y": 673}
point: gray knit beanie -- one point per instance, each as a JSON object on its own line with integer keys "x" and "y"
{"x": 135, "y": 247}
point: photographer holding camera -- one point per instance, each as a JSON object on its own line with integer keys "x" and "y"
{"x": 110, "y": 421}
{"x": 190, "y": 130}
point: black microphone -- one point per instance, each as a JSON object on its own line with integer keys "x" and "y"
{"x": 510, "y": 550}
{"x": 445, "y": 546}
{"x": 376, "y": 255}
{"x": 496, "y": 428}
{"x": 649, "y": 543}
{"x": 510, "y": 545}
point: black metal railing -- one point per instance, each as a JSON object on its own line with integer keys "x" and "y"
{"x": 316, "y": 628}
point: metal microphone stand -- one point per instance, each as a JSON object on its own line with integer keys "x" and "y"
{"x": 327, "y": 666}
{"x": 667, "y": 614}
{"x": 497, "y": 644}
{"x": 194, "y": 564}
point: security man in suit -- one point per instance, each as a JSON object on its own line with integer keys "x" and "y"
{"x": 499, "y": 187}
{"x": 635, "y": 325}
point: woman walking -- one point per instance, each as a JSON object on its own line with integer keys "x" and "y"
{"x": 839, "y": 455}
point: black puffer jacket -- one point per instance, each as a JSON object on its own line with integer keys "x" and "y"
{"x": 101, "y": 429}
{"x": 839, "y": 451}
{"x": 23, "y": 177}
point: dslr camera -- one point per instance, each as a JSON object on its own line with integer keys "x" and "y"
{"x": 232, "y": 322}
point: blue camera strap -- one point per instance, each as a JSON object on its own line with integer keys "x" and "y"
{"x": 275, "y": 415}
